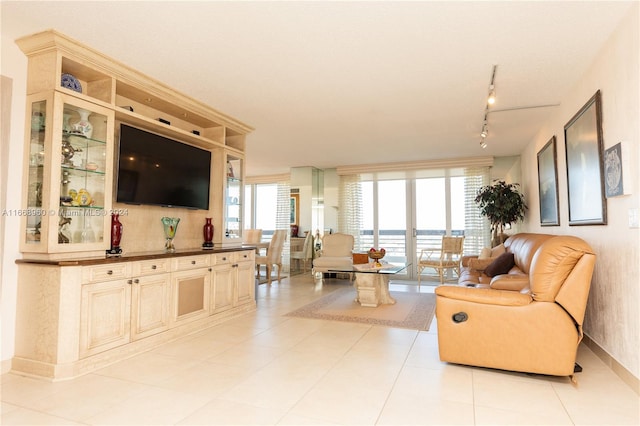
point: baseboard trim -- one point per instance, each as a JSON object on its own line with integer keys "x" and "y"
{"x": 619, "y": 369}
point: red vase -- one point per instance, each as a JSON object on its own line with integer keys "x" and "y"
{"x": 207, "y": 232}
{"x": 116, "y": 235}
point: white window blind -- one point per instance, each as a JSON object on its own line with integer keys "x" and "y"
{"x": 477, "y": 228}
{"x": 283, "y": 215}
{"x": 350, "y": 202}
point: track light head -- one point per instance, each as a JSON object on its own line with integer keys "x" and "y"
{"x": 492, "y": 97}
{"x": 483, "y": 144}
{"x": 485, "y": 131}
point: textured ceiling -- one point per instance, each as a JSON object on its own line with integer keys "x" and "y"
{"x": 343, "y": 83}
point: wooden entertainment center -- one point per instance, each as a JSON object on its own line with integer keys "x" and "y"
{"x": 77, "y": 309}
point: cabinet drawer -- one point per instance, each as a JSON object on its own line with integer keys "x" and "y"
{"x": 243, "y": 256}
{"x": 221, "y": 258}
{"x": 113, "y": 271}
{"x": 189, "y": 262}
{"x": 150, "y": 267}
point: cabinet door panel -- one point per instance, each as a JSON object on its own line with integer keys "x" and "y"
{"x": 245, "y": 282}
{"x": 105, "y": 316}
{"x": 222, "y": 288}
{"x": 150, "y": 305}
{"x": 190, "y": 294}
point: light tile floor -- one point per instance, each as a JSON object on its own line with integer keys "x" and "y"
{"x": 266, "y": 368}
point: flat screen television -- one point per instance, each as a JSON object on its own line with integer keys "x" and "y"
{"x": 157, "y": 170}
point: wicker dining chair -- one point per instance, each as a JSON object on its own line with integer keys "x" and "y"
{"x": 448, "y": 256}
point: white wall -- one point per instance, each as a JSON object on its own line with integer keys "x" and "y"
{"x": 14, "y": 66}
{"x": 612, "y": 318}
{"x": 331, "y": 190}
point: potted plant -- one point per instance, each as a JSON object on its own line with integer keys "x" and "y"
{"x": 503, "y": 205}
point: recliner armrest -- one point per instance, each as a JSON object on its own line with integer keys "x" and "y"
{"x": 487, "y": 296}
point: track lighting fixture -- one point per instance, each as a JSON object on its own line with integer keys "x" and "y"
{"x": 490, "y": 101}
{"x": 492, "y": 87}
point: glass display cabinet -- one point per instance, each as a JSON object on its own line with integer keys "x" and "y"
{"x": 233, "y": 199}
{"x": 69, "y": 169}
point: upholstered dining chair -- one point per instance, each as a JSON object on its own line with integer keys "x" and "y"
{"x": 448, "y": 256}
{"x": 251, "y": 236}
{"x": 274, "y": 254}
{"x": 306, "y": 254}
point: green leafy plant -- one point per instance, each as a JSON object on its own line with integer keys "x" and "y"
{"x": 503, "y": 204}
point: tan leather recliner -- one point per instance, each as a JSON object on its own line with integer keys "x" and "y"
{"x": 532, "y": 328}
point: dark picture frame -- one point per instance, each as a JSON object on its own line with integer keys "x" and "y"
{"x": 548, "y": 184}
{"x": 613, "y": 176}
{"x": 585, "y": 171}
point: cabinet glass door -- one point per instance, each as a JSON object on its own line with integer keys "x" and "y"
{"x": 35, "y": 179}
{"x": 83, "y": 166}
{"x": 233, "y": 198}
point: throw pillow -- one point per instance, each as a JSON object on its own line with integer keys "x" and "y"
{"x": 479, "y": 264}
{"x": 501, "y": 265}
{"x": 498, "y": 250}
{"x": 485, "y": 253}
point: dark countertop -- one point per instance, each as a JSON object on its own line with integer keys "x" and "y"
{"x": 132, "y": 257}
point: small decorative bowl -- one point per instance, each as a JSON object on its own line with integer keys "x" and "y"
{"x": 376, "y": 255}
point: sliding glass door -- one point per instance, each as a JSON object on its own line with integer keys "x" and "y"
{"x": 407, "y": 215}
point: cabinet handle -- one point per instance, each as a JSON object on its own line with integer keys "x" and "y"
{"x": 210, "y": 269}
{"x": 224, "y": 258}
{"x": 109, "y": 272}
{"x": 136, "y": 281}
{"x": 235, "y": 265}
{"x": 129, "y": 282}
{"x": 245, "y": 256}
{"x": 154, "y": 267}
{"x": 193, "y": 262}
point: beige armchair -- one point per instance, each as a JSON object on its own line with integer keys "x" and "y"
{"x": 274, "y": 254}
{"x": 527, "y": 319}
{"x": 337, "y": 253}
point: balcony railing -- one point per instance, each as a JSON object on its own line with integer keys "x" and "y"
{"x": 394, "y": 241}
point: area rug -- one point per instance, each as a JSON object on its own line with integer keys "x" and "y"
{"x": 411, "y": 310}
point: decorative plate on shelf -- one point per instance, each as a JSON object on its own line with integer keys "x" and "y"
{"x": 70, "y": 82}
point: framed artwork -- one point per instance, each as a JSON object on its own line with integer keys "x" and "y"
{"x": 613, "y": 182}
{"x": 295, "y": 209}
{"x": 548, "y": 184}
{"x": 584, "y": 152}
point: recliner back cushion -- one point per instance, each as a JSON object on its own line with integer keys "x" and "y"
{"x": 524, "y": 246}
{"x": 553, "y": 263}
